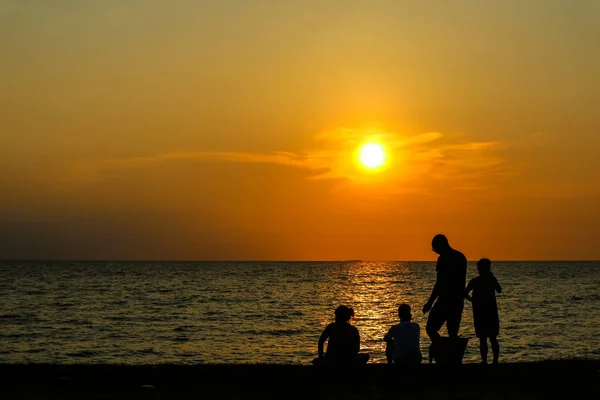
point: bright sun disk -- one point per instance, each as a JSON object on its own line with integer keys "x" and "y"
{"x": 372, "y": 155}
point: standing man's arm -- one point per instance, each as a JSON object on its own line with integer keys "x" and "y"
{"x": 435, "y": 292}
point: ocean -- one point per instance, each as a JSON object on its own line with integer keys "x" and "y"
{"x": 271, "y": 312}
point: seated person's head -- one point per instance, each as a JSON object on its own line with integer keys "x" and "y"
{"x": 404, "y": 312}
{"x": 484, "y": 266}
{"x": 343, "y": 314}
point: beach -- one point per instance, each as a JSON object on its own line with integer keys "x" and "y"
{"x": 536, "y": 380}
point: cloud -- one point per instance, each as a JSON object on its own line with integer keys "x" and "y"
{"x": 281, "y": 158}
{"x": 462, "y": 166}
{"x": 417, "y": 161}
{"x": 349, "y": 136}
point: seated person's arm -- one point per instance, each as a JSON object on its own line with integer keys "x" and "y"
{"x": 322, "y": 340}
{"x": 388, "y": 338}
{"x": 389, "y": 347}
{"x": 357, "y": 343}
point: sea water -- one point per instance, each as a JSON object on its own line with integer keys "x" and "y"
{"x": 271, "y": 312}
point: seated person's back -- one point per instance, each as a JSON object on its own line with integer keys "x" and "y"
{"x": 404, "y": 340}
{"x": 344, "y": 341}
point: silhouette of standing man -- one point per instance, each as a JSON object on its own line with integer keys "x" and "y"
{"x": 449, "y": 290}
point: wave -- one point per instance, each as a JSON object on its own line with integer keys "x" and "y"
{"x": 590, "y": 297}
{"x": 35, "y": 351}
{"x": 19, "y": 318}
{"x": 84, "y": 353}
{"x": 147, "y": 351}
{"x": 183, "y": 328}
{"x": 276, "y": 332}
{"x": 10, "y": 316}
{"x": 547, "y": 345}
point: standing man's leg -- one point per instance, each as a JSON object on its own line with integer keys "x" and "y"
{"x": 437, "y": 317}
{"x": 456, "y": 349}
{"x": 454, "y": 318}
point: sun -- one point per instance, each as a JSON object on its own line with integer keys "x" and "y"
{"x": 372, "y": 155}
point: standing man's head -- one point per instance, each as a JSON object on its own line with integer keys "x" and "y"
{"x": 440, "y": 244}
{"x": 404, "y": 312}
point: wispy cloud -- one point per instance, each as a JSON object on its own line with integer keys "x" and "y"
{"x": 280, "y": 158}
{"x": 417, "y": 160}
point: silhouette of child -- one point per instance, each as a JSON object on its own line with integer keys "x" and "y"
{"x": 343, "y": 342}
{"x": 485, "y": 308}
{"x": 404, "y": 340}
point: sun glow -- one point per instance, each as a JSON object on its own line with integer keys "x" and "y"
{"x": 372, "y": 155}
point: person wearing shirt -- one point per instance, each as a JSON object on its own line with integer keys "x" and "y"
{"x": 485, "y": 308}
{"x": 404, "y": 340}
{"x": 446, "y": 302}
{"x": 343, "y": 342}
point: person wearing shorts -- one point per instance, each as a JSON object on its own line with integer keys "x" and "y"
{"x": 446, "y": 303}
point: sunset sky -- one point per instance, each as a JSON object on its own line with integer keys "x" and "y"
{"x": 230, "y": 129}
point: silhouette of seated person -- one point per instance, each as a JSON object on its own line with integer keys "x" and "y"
{"x": 343, "y": 342}
{"x": 404, "y": 340}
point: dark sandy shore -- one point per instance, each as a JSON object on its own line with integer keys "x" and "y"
{"x": 564, "y": 379}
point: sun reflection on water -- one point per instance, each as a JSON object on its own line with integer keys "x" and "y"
{"x": 375, "y": 290}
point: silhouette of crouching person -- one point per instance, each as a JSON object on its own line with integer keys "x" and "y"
{"x": 343, "y": 344}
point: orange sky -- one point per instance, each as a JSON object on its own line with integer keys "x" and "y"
{"x": 205, "y": 130}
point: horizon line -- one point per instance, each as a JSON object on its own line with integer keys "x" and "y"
{"x": 267, "y": 261}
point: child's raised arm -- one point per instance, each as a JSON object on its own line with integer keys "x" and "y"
{"x": 497, "y": 286}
